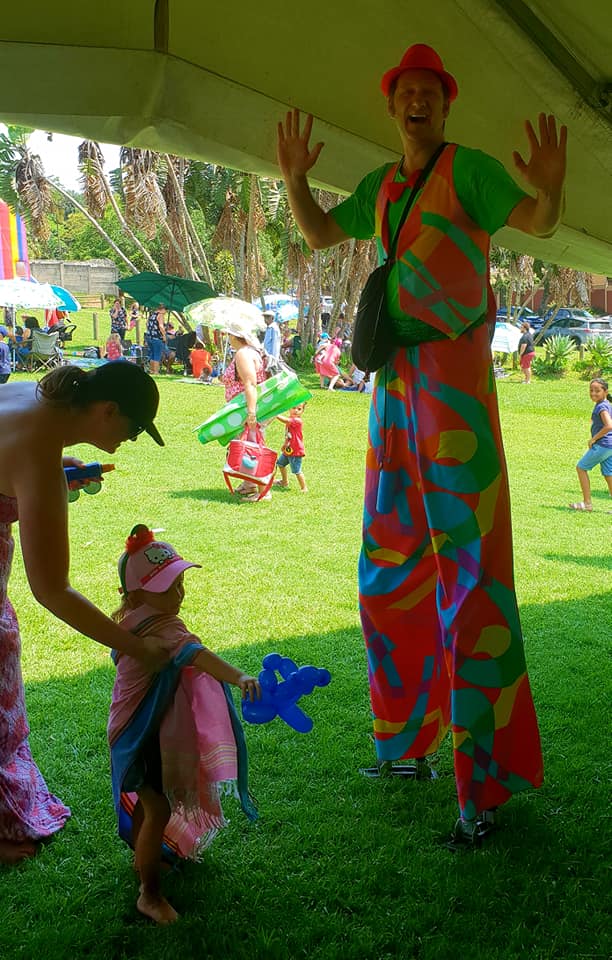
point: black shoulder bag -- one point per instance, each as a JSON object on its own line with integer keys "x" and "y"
{"x": 373, "y": 336}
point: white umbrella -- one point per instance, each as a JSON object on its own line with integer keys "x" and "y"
{"x": 24, "y": 293}
{"x": 288, "y": 311}
{"x": 505, "y": 338}
{"x": 217, "y": 312}
{"x": 274, "y": 300}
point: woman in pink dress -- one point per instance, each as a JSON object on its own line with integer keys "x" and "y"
{"x": 328, "y": 364}
{"x": 104, "y": 407}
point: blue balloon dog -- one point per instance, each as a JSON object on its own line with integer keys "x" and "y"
{"x": 279, "y": 699}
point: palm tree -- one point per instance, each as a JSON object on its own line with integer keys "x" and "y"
{"x": 26, "y": 188}
{"x": 98, "y": 192}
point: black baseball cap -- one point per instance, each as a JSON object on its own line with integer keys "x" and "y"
{"x": 133, "y": 390}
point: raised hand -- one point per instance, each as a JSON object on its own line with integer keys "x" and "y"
{"x": 295, "y": 158}
{"x": 545, "y": 169}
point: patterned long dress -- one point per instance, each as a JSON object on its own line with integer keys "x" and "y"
{"x": 438, "y": 607}
{"x": 27, "y": 810}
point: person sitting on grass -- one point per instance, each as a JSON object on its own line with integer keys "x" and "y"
{"x": 175, "y": 740}
{"x": 200, "y": 362}
{"x": 293, "y": 451}
{"x": 357, "y": 380}
{"x": 114, "y": 350}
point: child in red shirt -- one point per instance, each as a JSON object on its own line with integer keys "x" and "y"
{"x": 293, "y": 450}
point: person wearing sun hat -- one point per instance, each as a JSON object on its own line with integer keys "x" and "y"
{"x": 242, "y": 375}
{"x": 437, "y": 600}
{"x": 272, "y": 338}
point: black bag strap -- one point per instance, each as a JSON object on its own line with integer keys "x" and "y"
{"x": 413, "y": 193}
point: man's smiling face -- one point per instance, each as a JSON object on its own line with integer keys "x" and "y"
{"x": 419, "y": 105}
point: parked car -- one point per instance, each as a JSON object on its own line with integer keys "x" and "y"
{"x": 569, "y": 313}
{"x": 579, "y": 328}
{"x": 517, "y": 317}
{"x": 517, "y": 314}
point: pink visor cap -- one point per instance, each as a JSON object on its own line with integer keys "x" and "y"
{"x": 149, "y": 564}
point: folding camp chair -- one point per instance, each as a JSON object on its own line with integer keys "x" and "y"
{"x": 45, "y": 353}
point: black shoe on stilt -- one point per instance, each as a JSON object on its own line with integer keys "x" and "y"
{"x": 419, "y": 770}
{"x": 472, "y": 834}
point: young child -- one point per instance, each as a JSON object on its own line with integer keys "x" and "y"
{"x": 292, "y": 452}
{"x": 5, "y": 356}
{"x": 114, "y": 350}
{"x": 600, "y": 444}
{"x": 176, "y": 742}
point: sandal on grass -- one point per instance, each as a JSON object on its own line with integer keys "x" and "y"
{"x": 582, "y": 507}
{"x": 419, "y": 770}
{"x": 471, "y": 834}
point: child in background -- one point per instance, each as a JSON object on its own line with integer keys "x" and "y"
{"x": 5, "y": 356}
{"x": 114, "y": 350}
{"x": 292, "y": 451}
{"x": 600, "y": 444}
{"x": 200, "y": 362}
{"x": 175, "y": 739}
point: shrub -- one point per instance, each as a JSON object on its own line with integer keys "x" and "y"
{"x": 302, "y": 360}
{"x": 598, "y": 358}
{"x": 559, "y": 352}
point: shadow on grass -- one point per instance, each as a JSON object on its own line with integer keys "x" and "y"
{"x": 208, "y": 494}
{"x": 597, "y": 561}
{"x": 334, "y": 852}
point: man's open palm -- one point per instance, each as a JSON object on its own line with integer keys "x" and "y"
{"x": 295, "y": 158}
{"x": 545, "y": 169}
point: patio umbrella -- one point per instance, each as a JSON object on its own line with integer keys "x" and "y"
{"x": 505, "y": 338}
{"x": 28, "y": 294}
{"x": 217, "y": 312}
{"x": 288, "y": 311}
{"x": 152, "y": 289}
{"x": 68, "y": 303}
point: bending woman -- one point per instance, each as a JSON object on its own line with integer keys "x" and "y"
{"x": 104, "y": 407}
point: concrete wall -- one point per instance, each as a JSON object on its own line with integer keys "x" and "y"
{"x": 79, "y": 277}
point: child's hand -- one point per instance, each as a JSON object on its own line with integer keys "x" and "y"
{"x": 249, "y": 687}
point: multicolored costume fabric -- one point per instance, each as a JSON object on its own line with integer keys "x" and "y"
{"x": 201, "y": 744}
{"x": 437, "y": 598}
{"x": 442, "y": 256}
{"x": 27, "y": 810}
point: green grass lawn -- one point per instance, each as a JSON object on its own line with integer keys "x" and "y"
{"x": 338, "y": 866}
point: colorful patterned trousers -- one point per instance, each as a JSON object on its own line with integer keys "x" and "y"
{"x": 437, "y": 599}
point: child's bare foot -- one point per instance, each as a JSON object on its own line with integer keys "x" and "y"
{"x": 16, "y": 852}
{"x": 163, "y": 866}
{"x": 156, "y": 907}
{"x": 279, "y": 483}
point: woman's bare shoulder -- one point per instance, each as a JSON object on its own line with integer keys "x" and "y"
{"x": 25, "y": 438}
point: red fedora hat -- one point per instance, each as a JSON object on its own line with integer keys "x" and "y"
{"x": 421, "y": 57}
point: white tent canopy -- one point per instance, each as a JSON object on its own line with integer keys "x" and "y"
{"x": 211, "y": 80}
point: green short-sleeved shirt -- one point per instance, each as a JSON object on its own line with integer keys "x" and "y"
{"x": 485, "y": 190}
